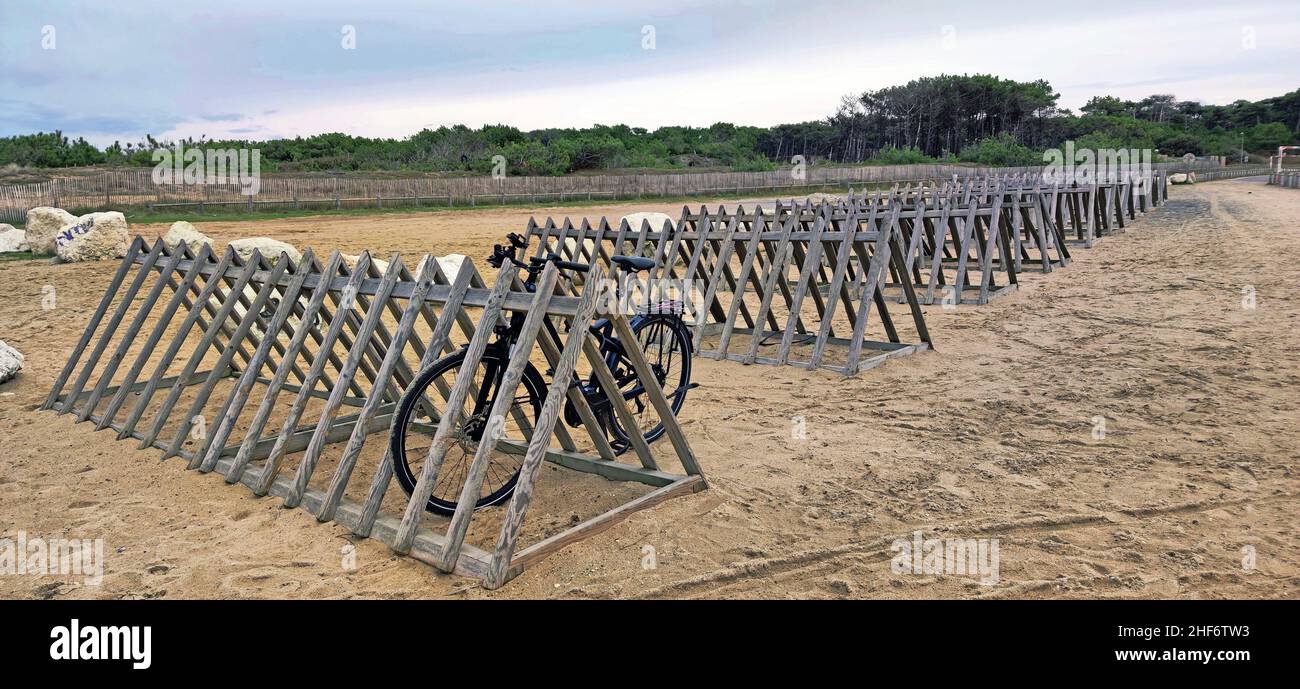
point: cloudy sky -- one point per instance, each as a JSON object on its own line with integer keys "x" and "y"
{"x": 258, "y": 69}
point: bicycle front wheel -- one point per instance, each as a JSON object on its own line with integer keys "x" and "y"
{"x": 423, "y": 405}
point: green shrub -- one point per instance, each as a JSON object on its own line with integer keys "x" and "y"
{"x": 1000, "y": 151}
{"x": 900, "y": 156}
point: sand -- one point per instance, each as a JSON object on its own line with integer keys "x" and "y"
{"x": 990, "y": 436}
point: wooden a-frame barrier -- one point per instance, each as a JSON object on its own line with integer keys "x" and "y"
{"x": 1081, "y": 212}
{"x": 955, "y": 249}
{"x": 1037, "y": 240}
{"x": 802, "y": 280}
{"x": 245, "y": 367}
{"x": 1002, "y": 224}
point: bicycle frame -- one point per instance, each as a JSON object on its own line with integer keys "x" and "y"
{"x": 611, "y": 350}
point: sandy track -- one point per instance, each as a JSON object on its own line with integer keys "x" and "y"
{"x": 989, "y": 436}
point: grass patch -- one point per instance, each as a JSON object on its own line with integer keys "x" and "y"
{"x": 144, "y": 215}
{"x": 20, "y": 256}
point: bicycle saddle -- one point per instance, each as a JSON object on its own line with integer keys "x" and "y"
{"x": 635, "y": 264}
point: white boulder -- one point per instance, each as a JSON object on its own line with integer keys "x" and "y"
{"x": 656, "y": 225}
{"x": 93, "y": 237}
{"x": 820, "y": 198}
{"x": 572, "y": 253}
{"x": 450, "y": 265}
{"x": 12, "y": 239}
{"x": 11, "y": 361}
{"x": 657, "y": 220}
{"x": 43, "y": 225}
{"x": 380, "y": 264}
{"x": 183, "y": 232}
{"x": 270, "y": 248}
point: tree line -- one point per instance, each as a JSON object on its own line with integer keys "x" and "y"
{"x": 980, "y": 119}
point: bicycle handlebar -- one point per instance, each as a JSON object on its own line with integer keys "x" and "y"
{"x": 502, "y": 254}
{"x": 536, "y": 263}
{"x": 570, "y": 265}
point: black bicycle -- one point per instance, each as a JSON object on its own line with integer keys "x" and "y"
{"x": 661, "y": 333}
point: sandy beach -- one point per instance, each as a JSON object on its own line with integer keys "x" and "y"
{"x": 990, "y": 435}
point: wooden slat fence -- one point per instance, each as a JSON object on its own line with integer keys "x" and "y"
{"x": 134, "y": 188}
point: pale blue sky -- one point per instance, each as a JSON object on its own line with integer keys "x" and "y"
{"x": 262, "y": 69}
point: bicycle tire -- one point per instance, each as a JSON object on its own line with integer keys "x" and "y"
{"x": 660, "y": 323}
{"x": 534, "y": 387}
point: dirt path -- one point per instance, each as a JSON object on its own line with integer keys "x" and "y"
{"x": 989, "y": 436}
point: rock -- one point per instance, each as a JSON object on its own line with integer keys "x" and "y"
{"x": 450, "y": 265}
{"x": 94, "y": 237}
{"x": 43, "y": 224}
{"x": 656, "y": 220}
{"x": 11, "y": 361}
{"x": 12, "y": 239}
{"x": 270, "y": 248}
{"x": 572, "y": 253}
{"x": 820, "y": 198}
{"x": 381, "y": 265}
{"x": 182, "y": 231}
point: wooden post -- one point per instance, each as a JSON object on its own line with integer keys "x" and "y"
{"x": 95, "y": 319}
{"x": 238, "y": 397}
{"x": 454, "y": 409}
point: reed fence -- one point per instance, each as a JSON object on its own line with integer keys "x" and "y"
{"x": 135, "y": 188}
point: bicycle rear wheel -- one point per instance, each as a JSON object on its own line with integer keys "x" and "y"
{"x": 423, "y": 404}
{"x": 667, "y": 348}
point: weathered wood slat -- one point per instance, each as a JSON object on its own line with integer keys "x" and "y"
{"x": 173, "y": 348}
{"x": 95, "y": 319}
{"x": 151, "y": 343}
{"x": 239, "y": 396}
{"x": 142, "y": 314}
{"x": 223, "y": 369}
{"x": 110, "y": 329}
{"x": 271, "y": 467}
{"x": 453, "y": 411}
{"x": 263, "y": 413}
{"x": 343, "y": 473}
{"x": 209, "y": 336}
{"x": 505, "y": 399}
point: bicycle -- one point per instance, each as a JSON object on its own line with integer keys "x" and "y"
{"x": 664, "y": 337}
